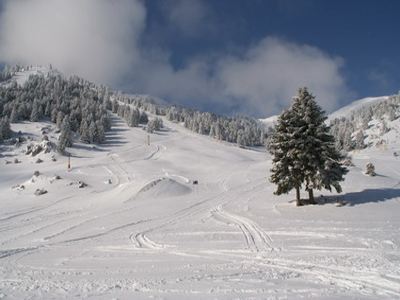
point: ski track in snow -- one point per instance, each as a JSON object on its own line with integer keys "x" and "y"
{"x": 256, "y": 239}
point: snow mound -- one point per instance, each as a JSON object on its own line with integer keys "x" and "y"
{"x": 37, "y": 181}
{"x": 41, "y": 180}
{"x": 164, "y": 187}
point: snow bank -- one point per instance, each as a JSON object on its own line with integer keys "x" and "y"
{"x": 163, "y": 187}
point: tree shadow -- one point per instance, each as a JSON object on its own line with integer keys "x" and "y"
{"x": 363, "y": 197}
{"x": 114, "y": 137}
{"x": 88, "y": 147}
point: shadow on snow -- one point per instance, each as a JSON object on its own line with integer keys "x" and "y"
{"x": 362, "y": 197}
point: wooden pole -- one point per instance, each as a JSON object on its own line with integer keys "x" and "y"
{"x": 69, "y": 162}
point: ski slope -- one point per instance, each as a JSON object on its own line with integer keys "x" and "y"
{"x": 345, "y": 111}
{"x": 142, "y": 230}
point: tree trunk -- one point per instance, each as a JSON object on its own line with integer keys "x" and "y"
{"x": 311, "y": 196}
{"x": 298, "y": 202}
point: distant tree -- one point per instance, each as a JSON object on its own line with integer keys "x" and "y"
{"x": 100, "y": 132}
{"x": 53, "y": 115}
{"x": 143, "y": 118}
{"x": 359, "y": 140}
{"x": 5, "y": 130}
{"x": 14, "y": 115}
{"x": 47, "y": 111}
{"x": 134, "y": 118}
{"x": 60, "y": 118}
{"x": 114, "y": 106}
{"x": 84, "y": 132}
{"x": 304, "y": 151}
{"x": 154, "y": 125}
{"x": 36, "y": 113}
{"x": 93, "y": 134}
{"x": 65, "y": 139}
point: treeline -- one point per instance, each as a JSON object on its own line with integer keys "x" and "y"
{"x": 350, "y": 131}
{"x": 241, "y": 130}
{"x": 85, "y": 106}
{"x": 8, "y": 72}
{"x": 55, "y": 98}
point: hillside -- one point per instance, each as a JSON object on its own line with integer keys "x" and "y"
{"x": 186, "y": 216}
{"x": 356, "y": 105}
{"x": 368, "y": 123}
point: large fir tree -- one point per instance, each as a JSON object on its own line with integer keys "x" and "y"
{"x": 304, "y": 151}
{"x": 286, "y": 170}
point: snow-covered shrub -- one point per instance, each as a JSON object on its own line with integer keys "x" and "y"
{"x": 370, "y": 169}
{"x": 40, "y": 192}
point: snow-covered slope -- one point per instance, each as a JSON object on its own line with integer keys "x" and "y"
{"x": 269, "y": 122}
{"x": 346, "y": 110}
{"x": 22, "y": 75}
{"x": 342, "y": 112}
{"x": 142, "y": 229}
{"x": 370, "y": 122}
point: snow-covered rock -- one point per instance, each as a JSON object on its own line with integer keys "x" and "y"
{"x": 35, "y": 148}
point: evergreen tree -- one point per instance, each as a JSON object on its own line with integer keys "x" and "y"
{"x": 60, "y": 118}
{"x": 14, "y": 115}
{"x": 100, "y": 132}
{"x": 53, "y": 115}
{"x": 5, "y": 130}
{"x": 93, "y": 134}
{"x": 84, "y": 131}
{"x": 134, "y": 118}
{"x": 65, "y": 139}
{"x": 304, "y": 150}
{"x": 36, "y": 111}
{"x": 154, "y": 125}
{"x": 286, "y": 170}
{"x": 359, "y": 140}
{"x": 47, "y": 111}
{"x": 143, "y": 118}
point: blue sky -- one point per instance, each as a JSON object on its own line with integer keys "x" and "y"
{"x": 228, "y": 56}
{"x": 365, "y": 33}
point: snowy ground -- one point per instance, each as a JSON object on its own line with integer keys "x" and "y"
{"x": 141, "y": 228}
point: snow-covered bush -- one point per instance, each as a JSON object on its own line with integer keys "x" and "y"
{"x": 370, "y": 169}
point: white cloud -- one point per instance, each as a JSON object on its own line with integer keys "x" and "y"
{"x": 92, "y": 38}
{"x": 261, "y": 81}
{"x": 100, "y": 40}
{"x": 269, "y": 74}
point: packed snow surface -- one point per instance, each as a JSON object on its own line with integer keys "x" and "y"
{"x": 142, "y": 228}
